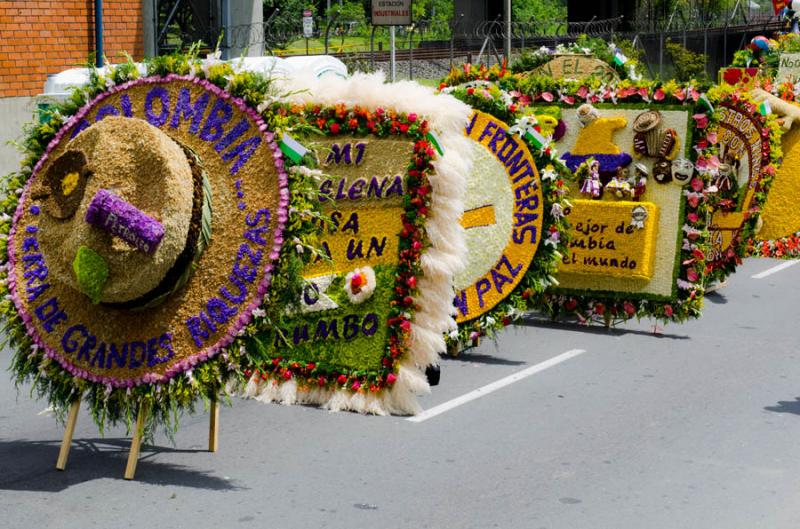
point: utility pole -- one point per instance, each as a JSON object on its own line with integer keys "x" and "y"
{"x": 507, "y": 43}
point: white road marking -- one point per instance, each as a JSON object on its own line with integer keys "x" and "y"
{"x": 494, "y": 386}
{"x": 775, "y": 269}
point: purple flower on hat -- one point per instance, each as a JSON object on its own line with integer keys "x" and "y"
{"x": 116, "y": 216}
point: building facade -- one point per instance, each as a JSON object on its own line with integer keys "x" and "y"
{"x": 40, "y": 38}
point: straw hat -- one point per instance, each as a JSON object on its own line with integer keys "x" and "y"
{"x": 115, "y": 271}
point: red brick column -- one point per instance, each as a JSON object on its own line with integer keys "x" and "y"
{"x": 38, "y": 38}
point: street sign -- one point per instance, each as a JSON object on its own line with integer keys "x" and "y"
{"x": 308, "y": 24}
{"x": 391, "y": 12}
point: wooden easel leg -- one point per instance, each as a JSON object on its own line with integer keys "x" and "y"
{"x": 136, "y": 442}
{"x": 66, "y": 442}
{"x": 213, "y": 427}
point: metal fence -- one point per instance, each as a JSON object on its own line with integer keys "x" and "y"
{"x": 716, "y": 35}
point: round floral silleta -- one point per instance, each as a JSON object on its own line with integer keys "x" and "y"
{"x": 360, "y": 284}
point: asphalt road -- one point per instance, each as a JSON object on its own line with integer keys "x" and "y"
{"x": 698, "y": 427}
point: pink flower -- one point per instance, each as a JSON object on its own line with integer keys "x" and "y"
{"x": 691, "y": 275}
{"x": 668, "y": 311}
{"x": 582, "y": 91}
{"x": 712, "y": 138}
{"x": 547, "y": 96}
{"x": 701, "y": 120}
{"x": 391, "y": 378}
{"x": 412, "y": 117}
{"x": 697, "y": 184}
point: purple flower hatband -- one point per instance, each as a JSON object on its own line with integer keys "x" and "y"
{"x": 109, "y": 212}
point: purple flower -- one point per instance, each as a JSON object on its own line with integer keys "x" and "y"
{"x": 116, "y": 216}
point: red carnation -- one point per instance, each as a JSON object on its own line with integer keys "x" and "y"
{"x": 412, "y": 118}
{"x": 335, "y": 128}
{"x": 342, "y": 380}
{"x": 629, "y": 308}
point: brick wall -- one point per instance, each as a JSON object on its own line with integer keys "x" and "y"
{"x": 38, "y": 38}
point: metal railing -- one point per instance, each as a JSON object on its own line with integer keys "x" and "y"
{"x": 714, "y": 34}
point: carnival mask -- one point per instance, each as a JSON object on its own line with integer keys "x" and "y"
{"x": 662, "y": 171}
{"x": 682, "y": 170}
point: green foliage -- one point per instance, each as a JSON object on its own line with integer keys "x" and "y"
{"x": 91, "y": 270}
{"x": 438, "y": 14}
{"x": 357, "y": 356}
{"x": 287, "y": 22}
{"x": 349, "y": 12}
{"x": 688, "y": 65}
{"x": 538, "y": 10}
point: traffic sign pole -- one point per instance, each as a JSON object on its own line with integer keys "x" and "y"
{"x": 392, "y": 57}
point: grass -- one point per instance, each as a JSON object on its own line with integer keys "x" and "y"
{"x": 339, "y": 44}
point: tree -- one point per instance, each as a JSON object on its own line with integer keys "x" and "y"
{"x": 528, "y": 10}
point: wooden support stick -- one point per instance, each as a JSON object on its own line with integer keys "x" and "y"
{"x": 136, "y": 443}
{"x": 66, "y": 442}
{"x": 213, "y": 426}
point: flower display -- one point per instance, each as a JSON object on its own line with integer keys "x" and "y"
{"x": 360, "y": 284}
{"x": 205, "y": 375}
{"x": 531, "y": 93}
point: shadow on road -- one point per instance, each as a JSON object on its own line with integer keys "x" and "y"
{"x": 31, "y": 466}
{"x": 473, "y": 358}
{"x": 786, "y": 406}
{"x": 716, "y": 297}
{"x": 534, "y": 321}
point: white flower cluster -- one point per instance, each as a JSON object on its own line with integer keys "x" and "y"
{"x": 360, "y": 284}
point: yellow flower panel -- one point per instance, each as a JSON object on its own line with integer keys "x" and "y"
{"x": 781, "y": 215}
{"x": 667, "y": 197}
{"x": 504, "y": 210}
{"x": 605, "y": 241}
{"x": 362, "y": 193}
{"x": 364, "y": 236}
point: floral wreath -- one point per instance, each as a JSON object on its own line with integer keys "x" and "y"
{"x": 206, "y": 380}
{"x": 611, "y": 307}
{"x": 472, "y": 86}
{"x": 767, "y": 58}
{"x": 708, "y": 161}
{"x": 608, "y": 52}
{"x": 268, "y": 362}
